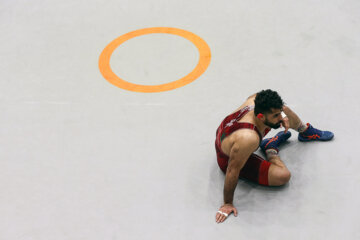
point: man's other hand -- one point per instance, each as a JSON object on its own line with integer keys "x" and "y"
{"x": 285, "y": 124}
{"x": 224, "y": 212}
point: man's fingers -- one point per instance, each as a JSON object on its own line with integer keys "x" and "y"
{"x": 218, "y": 216}
{"x": 235, "y": 212}
{"x": 223, "y": 217}
{"x": 287, "y": 126}
{"x": 284, "y": 125}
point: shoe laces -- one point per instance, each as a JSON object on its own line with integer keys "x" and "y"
{"x": 314, "y": 131}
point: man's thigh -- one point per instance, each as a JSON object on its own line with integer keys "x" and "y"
{"x": 256, "y": 169}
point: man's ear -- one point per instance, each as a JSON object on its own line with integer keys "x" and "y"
{"x": 260, "y": 115}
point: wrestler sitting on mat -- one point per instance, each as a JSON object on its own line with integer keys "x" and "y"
{"x": 241, "y": 133}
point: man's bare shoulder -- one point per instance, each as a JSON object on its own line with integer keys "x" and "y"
{"x": 246, "y": 137}
{"x": 244, "y": 141}
{"x": 252, "y": 96}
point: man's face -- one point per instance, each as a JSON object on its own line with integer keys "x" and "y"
{"x": 273, "y": 119}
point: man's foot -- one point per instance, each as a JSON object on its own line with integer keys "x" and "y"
{"x": 313, "y": 134}
{"x": 274, "y": 142}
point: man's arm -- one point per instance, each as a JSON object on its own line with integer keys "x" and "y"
{"x": 240, "y": 152}
{"x": 245, "y": 144}
{"x": 293, "y": 119}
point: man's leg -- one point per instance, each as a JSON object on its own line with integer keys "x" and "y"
{"x": 294, "y": 121}
{"x": 306, "y": 131}
{"x": 256, "y": 169}
{"x": 267, "y": 173}
{"x": 278, "y": 173}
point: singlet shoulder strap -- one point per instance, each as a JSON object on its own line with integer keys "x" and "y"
{"x": 240, "y": 113}
{"x": 231, "y": 124}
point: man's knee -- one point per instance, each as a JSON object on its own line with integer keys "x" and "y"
{"x": 284, "y": 176}
{"x": 279, "y": 176}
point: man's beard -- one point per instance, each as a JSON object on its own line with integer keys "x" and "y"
{"x": 272, "y": 125}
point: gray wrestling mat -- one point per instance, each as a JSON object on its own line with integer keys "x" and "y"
{"x": 84, "y": 159}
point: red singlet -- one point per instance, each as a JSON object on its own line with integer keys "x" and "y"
{"x": 256, "y": 168}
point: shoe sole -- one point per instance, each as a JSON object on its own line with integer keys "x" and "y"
{"x": 311, "y": 140}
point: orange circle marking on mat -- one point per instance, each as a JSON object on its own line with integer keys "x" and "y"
{"x": 109, "y": 75}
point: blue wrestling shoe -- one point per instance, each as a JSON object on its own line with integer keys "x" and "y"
{"x": 274, "y": 142}
{"x": 313, "y": 134}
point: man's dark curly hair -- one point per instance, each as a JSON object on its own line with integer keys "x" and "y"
{"x": 267, "y": 99}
